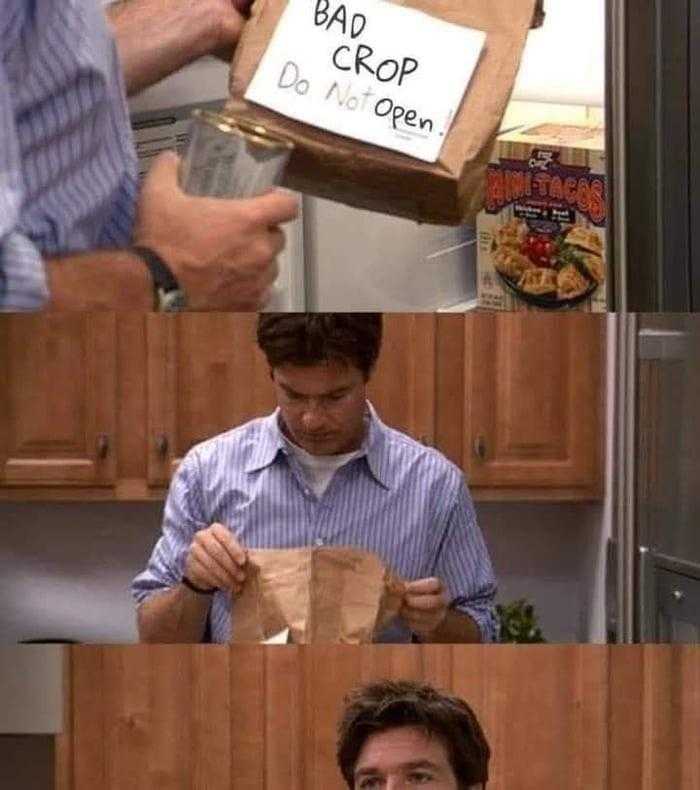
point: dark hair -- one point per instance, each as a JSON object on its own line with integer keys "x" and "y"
{"x": 389, "y": 704}
{"x": 312, "y": 338}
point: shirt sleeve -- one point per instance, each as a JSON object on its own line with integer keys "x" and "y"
{"x": 23, "y": 284}
{"x": 464, "y": 565}
{"x": 182, "y": 517}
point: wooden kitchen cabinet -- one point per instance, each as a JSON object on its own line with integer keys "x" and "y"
{"x": 205, "y": 376}
{"x": 105, "y": 406}
{"x": 58, "y": 400}
{"x": 402, "y": 388}
{"x": 521, "y": 403}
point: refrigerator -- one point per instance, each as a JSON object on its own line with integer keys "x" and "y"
{"x": 654, "y": 143}
{"x": 655, "y": 557}
{"x": 340, "y": 258}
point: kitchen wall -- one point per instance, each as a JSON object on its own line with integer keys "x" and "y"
{"x": 65, "y": 568}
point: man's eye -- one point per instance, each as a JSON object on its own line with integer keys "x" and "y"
{"x": 369, "y": 783}
{"x": 420, "y": 777}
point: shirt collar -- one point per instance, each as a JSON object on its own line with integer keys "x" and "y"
{"x": 267, "y": 444}
{"x": 376, "y": 451}
{"x": 270, "y": 442}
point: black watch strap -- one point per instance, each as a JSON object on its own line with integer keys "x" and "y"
{"x": 164, "y": 281}
{"x": 159, "y": 269}
{"x": 194, "y": 588}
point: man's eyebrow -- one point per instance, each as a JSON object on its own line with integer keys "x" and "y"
{"x": 337, "y": 391}
{"x": 412, "y": 765}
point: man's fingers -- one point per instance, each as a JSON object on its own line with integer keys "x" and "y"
{"x": 272, "y": 208}
{"x": 230, "y": 544}
{"x": 165, "y": 167}
{"x": 429, "y": 586}
{"x": 210, "y": 547}
{"x": 224, "y": 573}
{"x": 207, "y": 572}
{"x": 425, "y": 603}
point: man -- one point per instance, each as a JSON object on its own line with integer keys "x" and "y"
{"x": 321, "y": 470}
{"x": 398, "y": 735}
{"x": 70, "y": 210}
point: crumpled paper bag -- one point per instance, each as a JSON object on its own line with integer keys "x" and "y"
{"x": 321, "y": 594}
{"x": 447, "y": 192}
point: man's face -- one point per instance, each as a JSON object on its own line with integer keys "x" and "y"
{"x": 401, "y": 759}
{"x": 322, "y": 406}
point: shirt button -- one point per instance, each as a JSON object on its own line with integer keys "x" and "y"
{"x": 319, "y": 541}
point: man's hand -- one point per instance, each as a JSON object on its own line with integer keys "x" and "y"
{"x": 157, "y": 37}
{"x": 223, "y": 252}
{"x": 216, "y": 559}
{"x": 425, "y": 607}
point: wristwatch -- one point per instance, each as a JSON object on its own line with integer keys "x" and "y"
{"x": 169, "y": 297}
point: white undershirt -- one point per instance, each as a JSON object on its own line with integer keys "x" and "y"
{"x": 318, "y": 470}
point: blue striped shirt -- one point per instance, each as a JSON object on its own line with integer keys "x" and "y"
{"x": 405, "y": 502}
{"x": 68, "y": 174}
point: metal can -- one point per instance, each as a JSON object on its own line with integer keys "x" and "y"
{"x": 230, "y": 158}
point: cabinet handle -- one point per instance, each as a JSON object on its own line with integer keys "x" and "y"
{"x": 162, "y": 445}
{"x": 480, "y": 448}
{"x": 678, "y": 595}
{"x": 102, "y": 446}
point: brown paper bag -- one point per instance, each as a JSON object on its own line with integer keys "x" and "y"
{"x": 325, "y": 594}
{"x": 449, "y": 191}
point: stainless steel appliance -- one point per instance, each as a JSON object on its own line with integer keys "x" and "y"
{"x": 657, "y": 562}
{"x": 654, "y": 145}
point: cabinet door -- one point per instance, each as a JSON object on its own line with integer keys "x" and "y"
{"x": 520, "y": 399}
{"x": 205, "y": 376}
{"x": 533, "y": 401}
{"x": 58, "y": 400}
{"x": 403, "y": 385}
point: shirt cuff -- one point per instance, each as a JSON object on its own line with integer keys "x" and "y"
{"x": 23, "y": 281}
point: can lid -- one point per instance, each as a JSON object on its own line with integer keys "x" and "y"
{"x": 255, "y": 133}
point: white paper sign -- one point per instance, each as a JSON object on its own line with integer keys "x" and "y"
{"x": 370, "y": 70}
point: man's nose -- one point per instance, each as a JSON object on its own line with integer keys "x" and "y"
{"x": 313, "y": 418}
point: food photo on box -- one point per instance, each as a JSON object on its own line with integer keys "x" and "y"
{"x": 541, "y": 235}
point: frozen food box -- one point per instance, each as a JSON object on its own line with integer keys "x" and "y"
{"x": 541, "y": 234}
